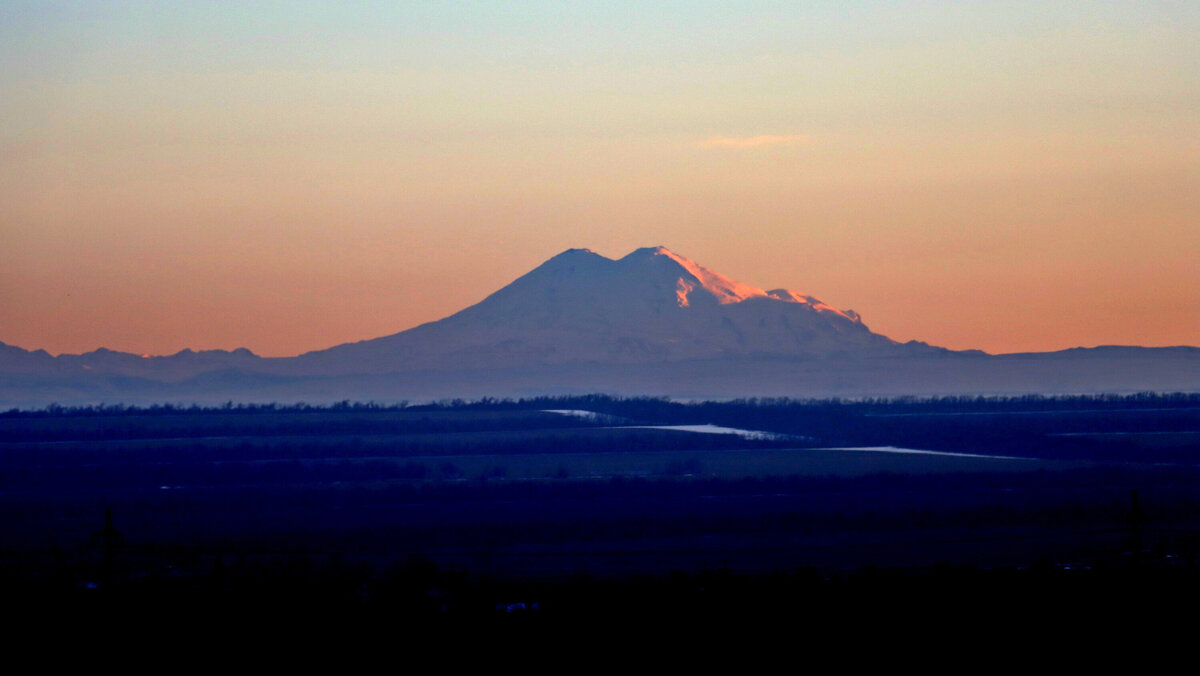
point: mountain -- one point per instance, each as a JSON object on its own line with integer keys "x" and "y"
{"x": 652, "y": 322}
{"x": 651, "y": 306}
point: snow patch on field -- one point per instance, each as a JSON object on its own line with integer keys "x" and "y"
{"x": 915, "y": 451}
{"x": 574, "y": 413}
{"x": 715, "y": 429}
{"x": 698, "y": 429}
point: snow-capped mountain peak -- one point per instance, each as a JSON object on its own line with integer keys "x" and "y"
{"x": 652, "y": 305}
{"x": 693, "y": 277}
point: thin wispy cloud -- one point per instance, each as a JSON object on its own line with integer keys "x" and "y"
{"x": 754, "y": 141}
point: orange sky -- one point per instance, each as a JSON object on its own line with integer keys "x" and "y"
{"x": 1002, "y": 177}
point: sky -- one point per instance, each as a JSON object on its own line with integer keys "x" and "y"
{"x": 287, "y": 176}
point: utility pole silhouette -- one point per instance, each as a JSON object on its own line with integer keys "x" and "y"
{"x": 112, "y": 540}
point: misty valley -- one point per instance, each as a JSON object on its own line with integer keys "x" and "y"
{"x": 545, "y": 508}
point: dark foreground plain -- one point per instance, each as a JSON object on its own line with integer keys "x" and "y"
{"x": 505, "y": 512}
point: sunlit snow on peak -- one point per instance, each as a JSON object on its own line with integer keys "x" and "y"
{"x": 814, "y": 303}
{"x": 723, "y": 289}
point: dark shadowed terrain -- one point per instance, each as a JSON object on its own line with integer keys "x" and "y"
{"x": 591, "y": 506}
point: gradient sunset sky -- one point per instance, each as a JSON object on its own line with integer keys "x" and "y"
{"x": 286, "y": 176}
